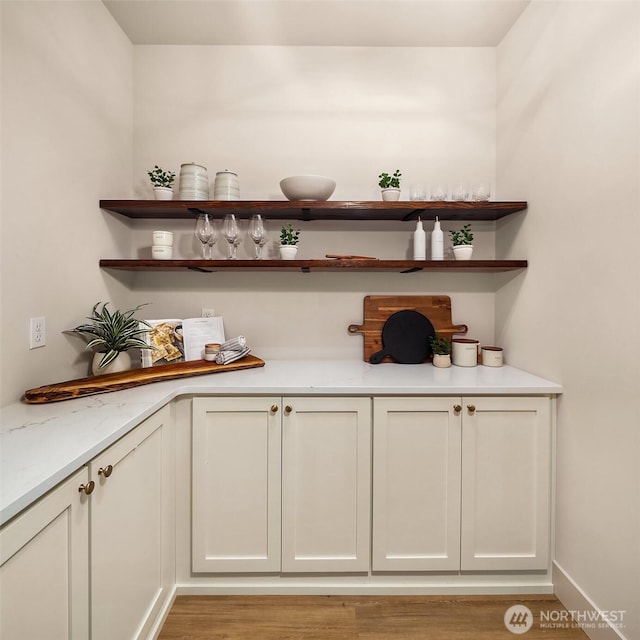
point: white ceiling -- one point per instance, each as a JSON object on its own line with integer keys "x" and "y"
{"x": 419, "y": 23}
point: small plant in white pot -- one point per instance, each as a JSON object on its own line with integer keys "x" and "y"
{"x": 289, "y": 238}
{"x": 162, "y": 182}
{"x": 111, "y": 335}
{"x": 441, "y": 348}
{"x": 462, "y": 243}
{"x": 390, "y": 185}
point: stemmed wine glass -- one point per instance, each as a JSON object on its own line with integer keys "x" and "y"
{"x": 258, "y": 233}
{"x": 204, "y": 232}
{"x": 231, "y": 234}
{"x": 213, "y": 239}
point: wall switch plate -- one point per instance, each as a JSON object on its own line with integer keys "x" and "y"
{"x": 208, "y": 312}
{"x": 37, "y": 333}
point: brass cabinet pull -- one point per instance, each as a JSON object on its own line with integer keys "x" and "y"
{"x": 274, "y": 408}
{"x": 457, "y": 408}
{"x": 288, "y": 409}
{"x": 87, "y": 488}
{"x": 105, "y": 471}
{"x": 471, "y": 408}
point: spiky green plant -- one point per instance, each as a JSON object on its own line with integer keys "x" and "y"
{"x": 161, "y": 178}
{"x": 111, "y": 333}
{"x": 463, "y": 236}
{"x": 289, "y": 235}
{"x": 440, "y": 345}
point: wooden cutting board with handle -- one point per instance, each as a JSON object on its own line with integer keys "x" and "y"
{"x": 377, "y": 309}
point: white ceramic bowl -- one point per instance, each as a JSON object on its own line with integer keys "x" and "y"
{"x": 161, "y": 252}
{"x": 308, "y": 187}
{"x": 163, "y": 238}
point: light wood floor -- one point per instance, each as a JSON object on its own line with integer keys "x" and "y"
{"x": 358, "y": 618}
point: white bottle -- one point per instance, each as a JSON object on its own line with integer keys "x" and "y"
{"x": 419, "y": 242}
{"x": 437, "y": 242}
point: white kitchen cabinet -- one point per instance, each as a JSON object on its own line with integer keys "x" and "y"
{"x": 461, "y": 484}
{"x": 416, "y": 484}
{"x": 280, "y": 484}
{"x": 506, "y": 483}
{"x": 236, "y": 484}
{"x": 44, "y": 572}
{"x": 131, "y": 531}
{"x": 326, "y": 484}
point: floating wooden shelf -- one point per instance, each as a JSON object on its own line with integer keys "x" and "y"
{"x": 403, "y": 266}
{"x": 303, "y": 210}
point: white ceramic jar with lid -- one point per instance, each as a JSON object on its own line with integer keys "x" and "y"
{"x": 226, "y": 186}
{"x": 194, "y": 182}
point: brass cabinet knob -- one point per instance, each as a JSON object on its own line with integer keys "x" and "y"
{"x": 471, "y": 408}
{"x": 288, "y": 409}
{"x": 105, "y": 471}
{"x": 457, "y": 408}
{"x": 87, "y": 488}
{"x": 274, "y": 408}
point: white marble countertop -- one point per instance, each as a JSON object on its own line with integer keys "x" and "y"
{"x": 41, "y": 445}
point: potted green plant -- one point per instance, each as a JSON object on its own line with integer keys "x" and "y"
{"x": 441, "y": 348}
{"x": 162, "y": 182}
{"x": 111, "y": 335}
{"x": 462, "y": 243}
{"x": 289, "y": 238}
{"x": 390, "y": 185}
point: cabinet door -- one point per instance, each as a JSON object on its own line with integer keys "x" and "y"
{"x": 326, "y": 484}
{"x": 127, "y": 528}
{"x": 236, "y": 484}
{"x": 44, "y": 572}
{"x": 506, "y": 483}
{"x": 416, "y": 484}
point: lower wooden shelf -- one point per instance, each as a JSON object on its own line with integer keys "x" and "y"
{"x": 403, "y": 266}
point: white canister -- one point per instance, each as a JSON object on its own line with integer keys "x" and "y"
{"x": 162, "y": 239}
{"x": 161, "y": 252}
{"x": 492, "y": 356}
{"x": 194, "y": 182}
{"x": 464, "y": 352}
{"x": 226, "y": 186}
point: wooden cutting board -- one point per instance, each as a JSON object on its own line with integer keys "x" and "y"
{"x": 134, "y": 378}
{"x": 378, "y": 308}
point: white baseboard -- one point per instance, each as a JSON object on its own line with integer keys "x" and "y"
{"x": 586, "y": 614}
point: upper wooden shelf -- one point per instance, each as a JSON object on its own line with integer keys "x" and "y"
{"x": 312, "y": 210}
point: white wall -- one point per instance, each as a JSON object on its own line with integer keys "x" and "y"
{"x": 569, "y": 142}
{"x": 66, "y": 142}
{"x": 346, "y": 112}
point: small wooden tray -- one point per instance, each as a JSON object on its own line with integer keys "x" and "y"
{"x": 134, "y": 378}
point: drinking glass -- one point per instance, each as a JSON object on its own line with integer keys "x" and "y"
{"x": 204, "y": 231}
{"x": 231, "y": 234}
{"x": 212, "y": 240}
{"x": 258, "y": 233}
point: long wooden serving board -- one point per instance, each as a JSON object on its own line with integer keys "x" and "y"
{"x": 134, "y": 378}
{"x": 378, "y": 308}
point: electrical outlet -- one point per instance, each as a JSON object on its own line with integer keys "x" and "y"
{"x": 37, "y": 333}
{"x": 208, "y": 312}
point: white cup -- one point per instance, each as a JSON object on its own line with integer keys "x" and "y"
{"x": 161, "y": 252}
{"x": 464, "y": 352}
{"x": 492, "y": 356}
{"x": 162, "y": 239}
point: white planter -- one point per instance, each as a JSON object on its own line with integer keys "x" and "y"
{"x": 288, "y": 252}
{"x": 442, "y": 361}
{"x": 163, "y": 193}
{"x": 391, "y": 193}
{"x": 121, "y": 363}
{"x": 463, "y": 251}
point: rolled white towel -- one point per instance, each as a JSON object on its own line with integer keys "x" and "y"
{"x": 225, "y": 357}
{"x": 234, "y": 344}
